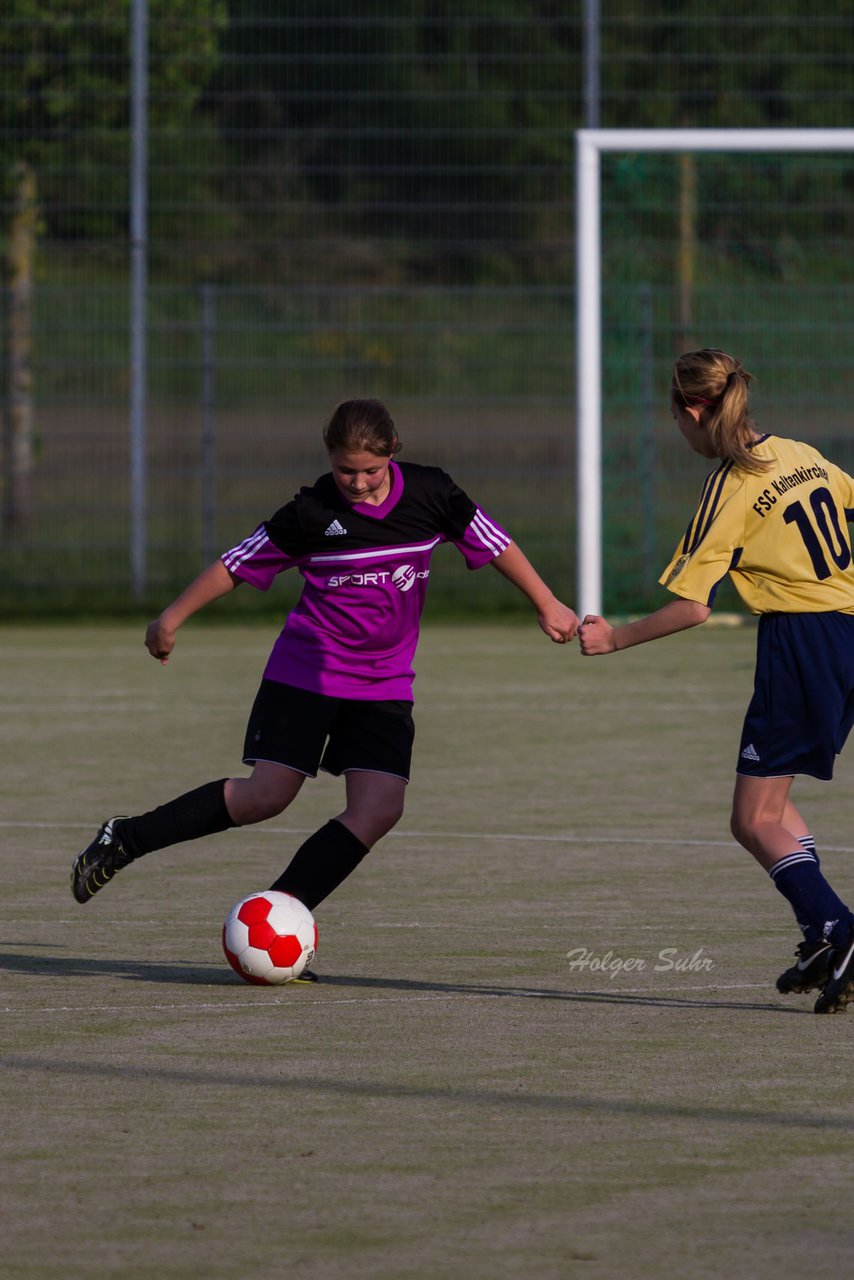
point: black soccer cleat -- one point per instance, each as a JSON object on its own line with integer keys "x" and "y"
{"x": 839, "y": 988}
{"x": 812, "y": 970}
{"x": 98, "y": 863}
{"x": 307, "y": 975}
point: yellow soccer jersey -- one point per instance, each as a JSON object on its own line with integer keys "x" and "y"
{"x": 781, "y": 533}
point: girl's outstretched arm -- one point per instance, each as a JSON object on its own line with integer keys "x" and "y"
{"x": 557, "y": 620}
{"x": 597, "y": 636}
{"x": 213, "y": 582}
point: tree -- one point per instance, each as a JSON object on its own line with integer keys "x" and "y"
{"x": 64, "y": 112}
{"x": 440, "y": 126}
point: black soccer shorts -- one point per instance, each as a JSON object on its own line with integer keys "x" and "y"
{"x": 309, "y": 731}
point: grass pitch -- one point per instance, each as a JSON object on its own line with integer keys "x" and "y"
{"x": 547, "y": 1041}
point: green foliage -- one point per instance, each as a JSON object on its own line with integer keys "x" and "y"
{"x": 772, "y": 217}
{"x": 686, "y": 64}
{"x": 294, "y": 138}
{"x": 64, "y": 108}
{"x": 432, "y": 116}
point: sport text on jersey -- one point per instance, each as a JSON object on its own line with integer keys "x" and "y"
{"x": 403, "y": 577}
{"x": 782, "y": 484}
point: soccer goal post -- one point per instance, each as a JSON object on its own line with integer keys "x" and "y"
{"x": 590, "y": 144}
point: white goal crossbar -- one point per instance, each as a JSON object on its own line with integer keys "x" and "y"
{"x": 589, "y": 145}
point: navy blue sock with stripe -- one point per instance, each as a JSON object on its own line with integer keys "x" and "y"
{"x": 798, "y": 878}
{"x": 808, "y": 843}
{"x": 810, "y": 931}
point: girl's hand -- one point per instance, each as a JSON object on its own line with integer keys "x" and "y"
{"x": 559, "y": 622}
{"x": 159, "y": 641}
{"x": 596, "y": 636}
{"x": 213, "y": 582}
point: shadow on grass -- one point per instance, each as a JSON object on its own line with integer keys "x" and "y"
{"x": 391, "y": 1090}
{"x": 212, "y": 975}
{"x": 136, "y": 970}
{"x": 551, "y": 993}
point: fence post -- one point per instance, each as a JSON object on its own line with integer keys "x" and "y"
{"x": 647, "y": 436}
{"x": 18, "y": 450}
{"x": 138, "y": 294}
{"x": 208, "y": 441}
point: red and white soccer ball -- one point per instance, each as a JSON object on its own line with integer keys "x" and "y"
{"x": 269, "y": 937}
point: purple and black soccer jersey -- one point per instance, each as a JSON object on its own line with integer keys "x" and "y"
{"x": 354, "y": 631}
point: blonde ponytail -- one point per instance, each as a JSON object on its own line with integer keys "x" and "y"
{"x": 718, "y": 385}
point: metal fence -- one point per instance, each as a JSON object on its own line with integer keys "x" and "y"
{"x": 343, "y": 203}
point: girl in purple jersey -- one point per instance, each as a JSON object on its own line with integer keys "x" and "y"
{"x": 336, "y": 692}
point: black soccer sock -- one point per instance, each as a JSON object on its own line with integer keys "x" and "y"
{"x": 197, "y": 813}
{"x": 320, "y": 864}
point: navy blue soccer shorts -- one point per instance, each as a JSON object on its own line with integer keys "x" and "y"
{"x": 802, "y": 707}
{"x": 308, "y": 731}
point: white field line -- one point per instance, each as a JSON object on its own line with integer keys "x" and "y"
{"x": 569, "y": 837}
{"x": 533, "y": 994}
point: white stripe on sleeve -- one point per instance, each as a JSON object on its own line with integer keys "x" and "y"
{"x": 488, "y": 533}
{"x": 246, "y": 549}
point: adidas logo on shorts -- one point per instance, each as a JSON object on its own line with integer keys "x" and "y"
{"x": 750, "y": 753}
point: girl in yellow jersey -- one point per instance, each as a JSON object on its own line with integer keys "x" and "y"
{"x": 774, "y": 516}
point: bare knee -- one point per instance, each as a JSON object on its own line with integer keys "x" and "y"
{"x": 740, "y": 828}
{"x": 264, "y": 794}
{"x": 758, "y": 809}
{"x": 389, "y": 815}
{"x": 370, "y": 822}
